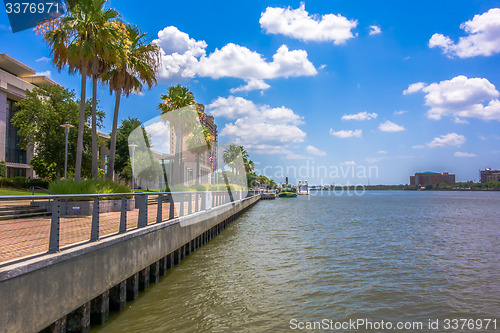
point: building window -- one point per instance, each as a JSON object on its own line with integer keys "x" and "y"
{"x": 13, "y": 151}
{"x": 16, "y": 172}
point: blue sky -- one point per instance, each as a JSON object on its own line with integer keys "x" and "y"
{"x": 396, "y": 86}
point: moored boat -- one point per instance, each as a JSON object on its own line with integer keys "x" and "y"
{"x": 287, "y": 190}
{"x": 303, "y": 188}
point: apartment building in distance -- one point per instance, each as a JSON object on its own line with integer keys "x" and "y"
{"x": 489, "y": 175}
{"x": 15, "y": 79}
{"x": 431, "y": 178}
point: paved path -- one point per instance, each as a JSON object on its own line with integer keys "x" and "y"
{"x": 30, "y": 236}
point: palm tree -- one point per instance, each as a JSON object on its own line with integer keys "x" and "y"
{"x": 249, "y": 164}
{"x": 178, "y": 97}
{"x": 230, "y": 155}
{"x": 140, "y": 66}
{"x": 83, "y": 40}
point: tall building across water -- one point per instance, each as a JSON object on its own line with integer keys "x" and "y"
{"x": 432, "y": 178}
{"x": 488, "y": 175}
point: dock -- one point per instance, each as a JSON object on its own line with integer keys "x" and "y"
{"x": 268, "y": 196}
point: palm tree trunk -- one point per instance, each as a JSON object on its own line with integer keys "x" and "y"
{"x": 95, "y": 152}
{"x": 181, "y": 155}
{"x": 177, "y": 161}
{"x": 81, "y": 125}
{"x": 112, "y": 153}
{"x": 197, "y": 168}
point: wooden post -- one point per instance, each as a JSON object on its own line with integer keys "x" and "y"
{"x": 133, "y": 287}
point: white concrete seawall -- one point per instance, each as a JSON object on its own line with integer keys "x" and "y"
{"x": 68, "y": 289}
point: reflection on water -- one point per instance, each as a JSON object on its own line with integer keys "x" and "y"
{"x": 393, "y": 256}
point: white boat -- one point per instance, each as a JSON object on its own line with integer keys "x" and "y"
{"x": 303, "y": 188}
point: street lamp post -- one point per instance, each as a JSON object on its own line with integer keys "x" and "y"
{"x": 66, "y": 131}
{"x": 132, "y": 153}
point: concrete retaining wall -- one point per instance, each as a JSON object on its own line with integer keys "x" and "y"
{"x": 42, "y": 291}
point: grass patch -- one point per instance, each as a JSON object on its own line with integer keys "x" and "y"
{"x": 88, "y": 187}
{"x": 19, "y": 191}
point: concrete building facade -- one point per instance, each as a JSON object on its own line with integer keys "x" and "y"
{"x": 431, "y": 178}
{"x": 489, "y": 175}
{"x": 15, "y": 79}
{"x": 207, "y": 158}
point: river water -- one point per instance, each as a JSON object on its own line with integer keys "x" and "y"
{"x": 396, "y": 256}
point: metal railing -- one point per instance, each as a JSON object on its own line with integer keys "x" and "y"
{"x": 68, "y": 220}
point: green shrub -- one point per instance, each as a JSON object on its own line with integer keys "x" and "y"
{"x": 21, "y": 182}
{"x": 199, "y": 187}
{"x": 5, "y": 182}
{"x": 182, "y": 188}
{"x": 3, "y": 169}
{"x": 43, "y": 183}
{"x": 88, "y": 187}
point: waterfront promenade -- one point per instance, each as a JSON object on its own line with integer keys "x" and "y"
{"x": 103, "y": 260}
{"x": 30, "y": 236}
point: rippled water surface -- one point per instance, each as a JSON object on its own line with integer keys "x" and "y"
{"x": 393, "y": 256}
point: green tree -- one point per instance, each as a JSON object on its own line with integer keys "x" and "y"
{"x": 122, "y": 160}
{"x": 39, "y": 118}
{"x": 139, "y": 67}
{"x": 84, "y": 40}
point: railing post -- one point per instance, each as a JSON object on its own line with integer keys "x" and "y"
{"x": 142, "y": 219}
{"x": 159, "y": 213}
{"x": 181, "y": 204}
{"x": 54, "y": 226}
{"x": 171, "y": 206}
{"x": 190, "y": 203}
{"x": 94, "y": 231}
{"x": 123, "y": 215}
{"x": 196, "y": 204}
{"x": 204, "y": 201}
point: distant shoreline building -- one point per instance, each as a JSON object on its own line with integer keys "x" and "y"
{"x": 489, "y": 175}
{"x": 431, "y": 178}
{"x": 15, "y": 79}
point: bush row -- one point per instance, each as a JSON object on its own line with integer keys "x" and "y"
{"x": 23, "y": 182}
{"x": 88, "y": 187}
{"x": 203, "y": 188}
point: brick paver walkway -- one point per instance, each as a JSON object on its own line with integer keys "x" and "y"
{"x": 30, "y": 236}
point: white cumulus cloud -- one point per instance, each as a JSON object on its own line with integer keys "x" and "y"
{"x": 185, "y": 57}
{"x": 450, "y": 139}
{"x": 315, "y": 151}
{"x": 389, "y": 126}
{"x": 343, "y": 134}
{"x": 360, "y": 116}
{"x": 348, "y": 163}
{"x": 375, "y": 30}
{"x": 251, "y": 84}
{"x": 43, "y": 59}
{"x": 299, "y": 24}
{"x": 463, "y": 154}
{"x": 46, "y": 73}
{"x": 414, "y": 87}
{"x": 483, "y": 37}
{"x": 258, "y": 125}
{"x": 461, "y": 97}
